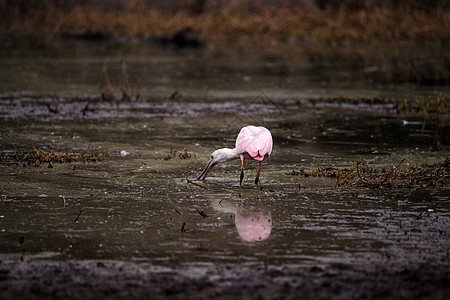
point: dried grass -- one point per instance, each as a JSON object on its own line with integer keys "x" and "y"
{"x": 39, "y": 157}
{"x": 361, "y": 174}
{"x": 235, "y": 24}
{"x": 182, "y": 154}
{"x": 106, "y": 89}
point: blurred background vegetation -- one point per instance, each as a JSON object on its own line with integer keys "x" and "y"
{"x": 232, "y": 22}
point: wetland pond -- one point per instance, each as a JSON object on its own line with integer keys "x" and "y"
{"x": 137, "y": 224}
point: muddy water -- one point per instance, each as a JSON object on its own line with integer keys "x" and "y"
{"x": 312, "y": 69}
{"x": 137, "y": 204}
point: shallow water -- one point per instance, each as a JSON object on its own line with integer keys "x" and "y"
{"x": 311, "y": 69}
{"x": 140, "y": 207}
{"x": 137, "y": 206}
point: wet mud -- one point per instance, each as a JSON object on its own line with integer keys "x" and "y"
{"x": 136, "y": 223}
{"x": 119, "y": 280}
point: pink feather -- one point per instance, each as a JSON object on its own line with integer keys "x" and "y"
{"x": 254, "y": 141}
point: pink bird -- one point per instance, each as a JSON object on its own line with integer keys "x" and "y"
{"x": 252, "y": 142}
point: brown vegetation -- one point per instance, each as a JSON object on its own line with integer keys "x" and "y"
{"x": 182, "y": 154}
{"x": 235, "y": 22}
{"x": 403, "y": 175}
{"x": 429, "y": 106}
{"x": 39, "y": 156}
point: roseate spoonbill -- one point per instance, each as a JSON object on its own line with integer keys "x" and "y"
{"x": 252, "y": 142}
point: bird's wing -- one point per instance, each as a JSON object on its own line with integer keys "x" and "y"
{"x": 256, "y": 141}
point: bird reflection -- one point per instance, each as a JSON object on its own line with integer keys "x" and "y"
{"x": 253, "y": 224}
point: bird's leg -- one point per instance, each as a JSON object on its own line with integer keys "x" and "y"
{"x": 242, "y": 169}
{"x": 257, "y": 173}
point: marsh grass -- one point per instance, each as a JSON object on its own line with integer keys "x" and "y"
{"x": 428, "y": 106}
{"x": 38, "y": 157}
{"x": 404, "y": 175}
{"x": 106, "y": 89}
{"x": 124, "y": 85}
{"x": 234, "y": 24}
{"x": 181, "y": 154}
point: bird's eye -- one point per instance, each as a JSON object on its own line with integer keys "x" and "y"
{"x": 212, "y": 157}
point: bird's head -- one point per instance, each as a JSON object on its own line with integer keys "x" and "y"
{"x": 217, "y": 157}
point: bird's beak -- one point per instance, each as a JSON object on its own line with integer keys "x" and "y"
{"x": 205, "y": 172}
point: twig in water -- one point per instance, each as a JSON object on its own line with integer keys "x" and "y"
{"x": 76, "y": 220}
{"x": 390, "y": 173}
{"x": 85, "y": 109}
{"x": 202, "y": 213}
{"x": 177, "y": 211}
{"x": 174, "y": 95}
{"x": 194, "y": 183}
{"x": 182, "y": 227}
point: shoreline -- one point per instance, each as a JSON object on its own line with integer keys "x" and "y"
{"x": 94, "y": 106}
